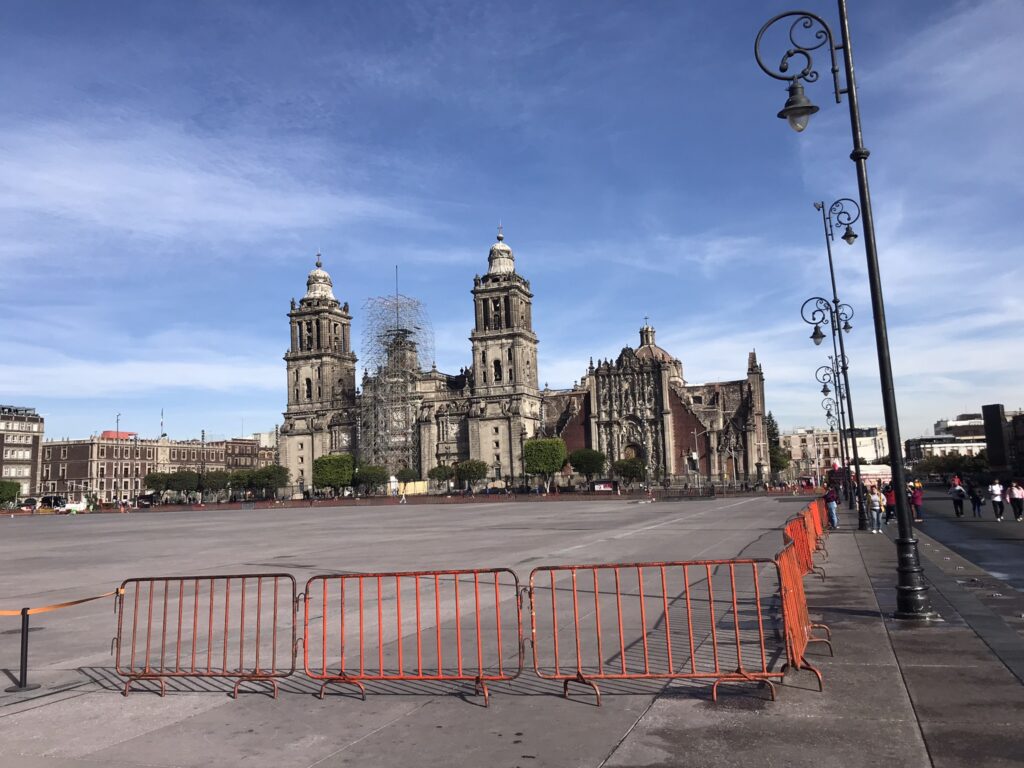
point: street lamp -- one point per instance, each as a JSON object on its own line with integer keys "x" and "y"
{"x": 844, "y": 213}
{"x": 912, "y": 600}
{"x": 818, "y": 311}
{"x": 824, "y": 375}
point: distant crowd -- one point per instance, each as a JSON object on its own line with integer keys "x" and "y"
{"x": 1001, "y": 496}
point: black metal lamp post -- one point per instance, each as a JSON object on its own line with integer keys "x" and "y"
{"x": 844, "y": 213}
{"x": 833, "y": 405}
{"x": 818, "y": 311}
{"x": 912, "y": 600}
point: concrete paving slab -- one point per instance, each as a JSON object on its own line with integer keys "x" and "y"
{"x": 983, "y": 694}
{"x": 83, "y": 725}
{"x": 700, "y": 735}
{"x": 954, "y": 745}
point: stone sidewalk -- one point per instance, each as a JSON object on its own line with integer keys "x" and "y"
{"x": 895, "y": 693}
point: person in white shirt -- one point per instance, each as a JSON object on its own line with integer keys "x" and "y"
{"x": 995, "y": 491}
{"x": 1015, "y": 493}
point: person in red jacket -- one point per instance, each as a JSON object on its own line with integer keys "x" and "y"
{"x": 916, "y": 499}
{"x": 890, "y": 502}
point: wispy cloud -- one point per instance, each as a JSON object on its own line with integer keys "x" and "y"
{"x": 159, "y": 181}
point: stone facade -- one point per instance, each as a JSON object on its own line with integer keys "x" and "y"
{"x": 637, "y": 406}
{"x": 322, "y": 416}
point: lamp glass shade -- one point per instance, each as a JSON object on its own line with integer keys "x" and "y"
{"x": 847, "y": 327}
{"x": 798, "y": 108}
{"x": 798, "y": 121}
{"x": 817, "y": 337}
{"x": 825, "y": 390}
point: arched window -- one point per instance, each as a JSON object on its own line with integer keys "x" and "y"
{"x": 497, "y": 371}
{"x": 309, "y": 389}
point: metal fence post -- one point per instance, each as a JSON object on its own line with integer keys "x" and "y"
{"x": 23, "y": 677}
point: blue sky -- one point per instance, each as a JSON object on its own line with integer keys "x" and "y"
{"x": 170, "y": 169}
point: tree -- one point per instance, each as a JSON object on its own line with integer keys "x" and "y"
{"x": 184, "y": 481}
{"x": 881, "y": 460}
{"x": 269, "y": 479}
{"x": 242, "y": 480}
{"x": 157, "y": 482}
{"x": 442, "y": 473}
{"x": 9, "y": 491}
{"x": 333, "y": 471}
{"x": 471, "y": 471}
{"x": 777, "y": 455}
{"x": 371, "y": 476}
{"x": 587, "y": 462}
{"x": 216, "y": 480}
{"x": 628, "y": 470}
{"x": 407, "y": 475}
{"x": 544, "y": 456}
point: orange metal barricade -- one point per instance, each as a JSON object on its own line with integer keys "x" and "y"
{"x": 238, "y": 626}
{"x": 816, "y": 515}
{"x": 704, "y": 619}
{"x": 797, "y": 531}
{"x": 456, "y": 625}
{"x": 799, "y": 629}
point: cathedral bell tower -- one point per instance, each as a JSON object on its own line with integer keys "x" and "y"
{"x": 321, "y": 367}
{"x": 505, "y": 400}
{"x": 504, "y": 345}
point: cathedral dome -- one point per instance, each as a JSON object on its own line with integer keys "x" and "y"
{"x": 648, "y": 350}
{"x": 318, "y": 284}
{"x": 500, "y": 260}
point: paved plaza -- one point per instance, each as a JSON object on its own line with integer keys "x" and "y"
{"x": 893, "y": 694}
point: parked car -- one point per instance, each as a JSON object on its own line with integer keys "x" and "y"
{"x": 28, "y": 505}
{"x": 53, "y": 502}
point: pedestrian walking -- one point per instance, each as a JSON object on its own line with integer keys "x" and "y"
{"x": 916, "y": 499}
{"x": 976, "y": 500}
{"x": 890, "y": 502}
{"x": 876, "y": 503}
{"x": 831, "y": 499}
{"x": 995, "y": 492}
{"x": 1015, "y": 493}
{"x": 957, "y": 492}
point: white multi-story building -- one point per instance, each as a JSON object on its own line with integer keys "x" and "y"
{"x": 814, "y": 451}
{"x": 21, "y": 435}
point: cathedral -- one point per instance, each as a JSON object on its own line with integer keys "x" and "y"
{"x": 638, "y": 405}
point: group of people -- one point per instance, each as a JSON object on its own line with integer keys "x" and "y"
{"x": 882, "y": 503}
{"x": 998, "y": 494}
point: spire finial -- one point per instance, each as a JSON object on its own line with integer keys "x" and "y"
{"x": 501, "y": 235}
{"x": 319, "y": 264}
{"x": 647, "y": 324}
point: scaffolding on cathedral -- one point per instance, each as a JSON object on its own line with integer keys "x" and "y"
{"x": 397, "y": 345}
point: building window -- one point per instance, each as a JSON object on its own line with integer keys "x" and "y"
{"x": 103, "y": 452}
{"x": 174, "y": 454}
{"x": 117, "y": 452}
{"x": 309, "y": 389}
{"x": 46, "y": 454}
